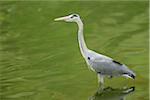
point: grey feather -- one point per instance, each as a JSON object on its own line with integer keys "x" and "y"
{"x": 107, "y": 66}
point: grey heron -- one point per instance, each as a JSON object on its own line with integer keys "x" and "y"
{"x": 101, "y": 64}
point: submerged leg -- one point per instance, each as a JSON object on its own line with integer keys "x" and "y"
{"x": 101, "y": 81}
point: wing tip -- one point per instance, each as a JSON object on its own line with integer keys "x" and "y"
{"x": 132, "y": 76}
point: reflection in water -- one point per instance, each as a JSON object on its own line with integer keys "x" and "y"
{"x": 112, "y": 94}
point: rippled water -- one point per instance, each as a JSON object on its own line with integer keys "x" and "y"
{"x": 40, "y": 58}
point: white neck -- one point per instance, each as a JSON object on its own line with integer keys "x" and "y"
{"x": 82, "y": 45}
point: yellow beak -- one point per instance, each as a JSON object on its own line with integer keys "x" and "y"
{"x": 61, "y": 18}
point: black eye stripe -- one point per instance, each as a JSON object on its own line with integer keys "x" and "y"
{"x": 73, "y": 16}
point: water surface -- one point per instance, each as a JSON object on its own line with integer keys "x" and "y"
{"x": 40, "y": 58}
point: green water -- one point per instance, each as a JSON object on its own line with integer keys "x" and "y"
{"x": 40, "y": 58}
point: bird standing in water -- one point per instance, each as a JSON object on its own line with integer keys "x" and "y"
{"x": 101, "y": 64}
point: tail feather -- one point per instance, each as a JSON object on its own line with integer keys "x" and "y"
{"x": 130, "y": 74}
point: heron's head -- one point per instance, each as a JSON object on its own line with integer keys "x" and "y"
{"x": 69, "y": 18}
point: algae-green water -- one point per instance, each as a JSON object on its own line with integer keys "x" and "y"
{"x": 40, "y": 59}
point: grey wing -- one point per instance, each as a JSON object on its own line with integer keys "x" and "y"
{"x": 108, "y": 67}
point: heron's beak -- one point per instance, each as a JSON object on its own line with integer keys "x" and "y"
{"x": 61, "y": 18}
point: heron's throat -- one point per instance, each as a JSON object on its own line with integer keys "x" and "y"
{"x": 82, "y": 45}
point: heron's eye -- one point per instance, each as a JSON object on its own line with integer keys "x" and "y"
{"x": 73, "y": 16}
{"x": 88, "y": 58}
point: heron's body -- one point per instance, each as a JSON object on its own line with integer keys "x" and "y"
{"x": 102, "y": 65}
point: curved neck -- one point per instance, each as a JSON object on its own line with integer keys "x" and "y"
{"x": 82, "y": 45}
